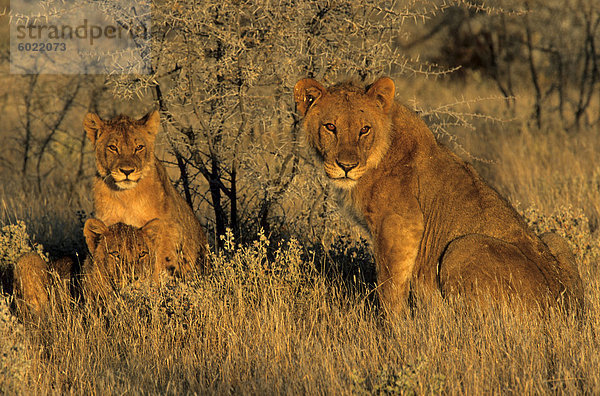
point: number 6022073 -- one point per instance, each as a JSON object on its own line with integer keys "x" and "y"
{"x": 41, "y": 47}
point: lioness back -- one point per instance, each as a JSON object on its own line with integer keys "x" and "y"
{"x": 436, "y": 224}
{"x": 133, "y": 188}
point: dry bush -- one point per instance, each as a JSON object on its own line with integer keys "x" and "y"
{"x": 14, "y": 243}
{"x": 230, "y": 124}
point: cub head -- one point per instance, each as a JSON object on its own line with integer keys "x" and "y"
{"x": 124, "y": 147}
{"x": 348, "y": 126}
{"x": 118, "y": 253}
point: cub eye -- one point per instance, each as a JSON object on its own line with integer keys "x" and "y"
{"x": 113, "y": 148}
{"x": 139, "y": 148}
{"x": 115, "y": 254}
{"x": 364, "y": 130}
{"x": 330, "y": 127}
{"x": 142, "y": 254}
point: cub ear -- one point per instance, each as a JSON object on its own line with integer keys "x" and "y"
{"x": 93, "y": 229}
{"x": 92, "y": 125}
{"x": 383, "y": 91}
{"x": 151, "y": 122}
{"x": 306, "y": 92}
{"x": 153, "y": 229}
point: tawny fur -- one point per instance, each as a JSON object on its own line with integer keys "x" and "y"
{"x": 119, "y": 254}
{"x": 31, "y": 280}
{"x": 34, "y": 280}
{"x": 132, "y": 187}
{"x": 436, "y": 225}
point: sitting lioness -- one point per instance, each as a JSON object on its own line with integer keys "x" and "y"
{"x": 132, "y": 187}
{"x": 118, "y": 254}
{"x": 435, "y": 224}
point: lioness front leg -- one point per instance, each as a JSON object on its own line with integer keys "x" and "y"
{"x": 396, "y": 248}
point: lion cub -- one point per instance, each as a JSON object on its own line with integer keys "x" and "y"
{"x": 132, "y": 187}
{"x": 118, "y": 254}
{"x": 435, "y": 224}
{"x": 33, "y": 281}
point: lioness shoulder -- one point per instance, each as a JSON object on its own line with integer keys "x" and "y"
{"x": 132, "y": 187}
{"x": 435, "y": 223}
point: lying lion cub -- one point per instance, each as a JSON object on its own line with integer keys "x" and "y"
{"x": 435, "y": 224}
{"x": 132, "y": 187}
{"x": 118, "y": 254}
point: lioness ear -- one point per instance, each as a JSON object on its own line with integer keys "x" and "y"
{"x": 92, "y": 125}
{"x": 151, "y": 122}
{"x": 383, "y": 90}
{"x": 93, "y": 229}
{"x": 306, "y": 92}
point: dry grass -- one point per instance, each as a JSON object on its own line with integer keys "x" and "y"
{"x": 261, "y": 326}
{"x": 269, "y": 321}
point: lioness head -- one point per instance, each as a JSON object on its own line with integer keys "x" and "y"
{"x": 119, "y": 253}
{"x": 124, "y": 147}
{"x": 348, "y": 126}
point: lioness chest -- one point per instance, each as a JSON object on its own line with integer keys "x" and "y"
{"x": 135, "y": 207}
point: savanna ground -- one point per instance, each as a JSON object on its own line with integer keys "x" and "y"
{"x": 286, "y": 313}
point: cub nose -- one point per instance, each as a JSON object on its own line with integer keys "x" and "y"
{"x": 126, "y": 171}
{"x": 346, "y": 166}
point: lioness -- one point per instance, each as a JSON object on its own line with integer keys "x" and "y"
{"x": 118, "y": 254}
{"x": 435, "y": 224}
{"x": 132, "y": 187}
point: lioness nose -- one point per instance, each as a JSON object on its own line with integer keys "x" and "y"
{"x": 126, "y": 171}
{"x": 347, "y": 166}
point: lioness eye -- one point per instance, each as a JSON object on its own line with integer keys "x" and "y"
{"x": 115, "y": 254}
{"x": 139, "y": 148}
{"x": 112, "y": 147}
{"x": 330, "y": 127}
{"x": 143, "y": 254}
{"x": 364, "y": 130}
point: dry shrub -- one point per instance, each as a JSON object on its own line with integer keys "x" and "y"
{"x": 14, "y": 243}
{"x": 573, "y": 225}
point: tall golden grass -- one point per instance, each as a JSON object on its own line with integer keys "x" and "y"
{"x": 260, "y": 325}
